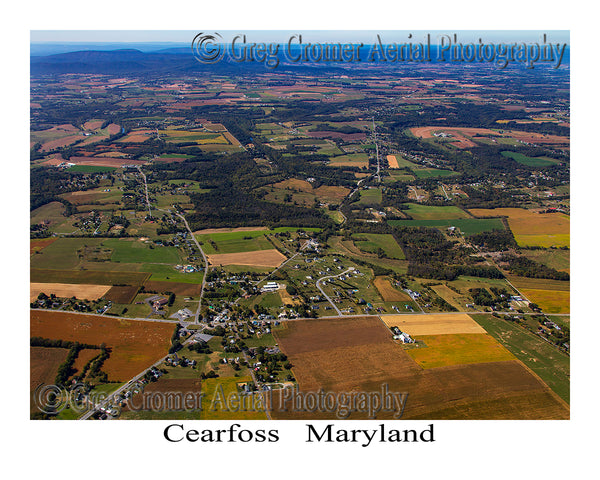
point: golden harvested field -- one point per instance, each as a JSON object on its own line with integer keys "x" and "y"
{"x": 458, "y": 349}
{"x": 135, "y": 344}
{"x": 258, "y": 258}
{"x": 392, "y": 161}
{"x": 531, "y": 228}
{"x": 388, "y": 292}
{"x": 550, "y": 301}
{"x": 68, "y": 290}
{"x": 433, "y": 323}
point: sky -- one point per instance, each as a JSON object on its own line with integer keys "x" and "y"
{"x": 280, "y": 36}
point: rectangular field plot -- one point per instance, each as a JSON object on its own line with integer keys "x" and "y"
{"x": 458, "y": 349}
{"x": 134, "y": 251}
{"x": 88, "y": 276}
{"x": 426, "y": 212}
{"x": 433, "y": 324}
{"x": 372, "y": 242}
{"x": 68, "y": 290}
{"x": 259, "y": 258}
{"x": 550, "y": 301}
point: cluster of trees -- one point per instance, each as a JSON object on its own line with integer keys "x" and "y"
{"x": 175, "y": 342}
{"x": 494, "y": 240}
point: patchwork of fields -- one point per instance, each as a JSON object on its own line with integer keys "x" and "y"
{"x": 531, "y": 228}
{"x": 359, "y": 354}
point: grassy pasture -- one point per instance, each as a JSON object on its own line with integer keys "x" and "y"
{"x": 134, "y": 251}
{"x": 371, "y": 242}
{"x": 552, "y": 366}
{"x": 426, "y": 212}
{"x": 51, "y": 214}
{"x": 62, "y": 254}
{"x": 370, "y": 196}
{"x": 529, "y": 161}
{"x": 553, "y": 258}
{"x": 90, "y": 169}
{"x": 433, "y": 172}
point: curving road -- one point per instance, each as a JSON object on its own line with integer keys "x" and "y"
{"x": 340, "y": 314}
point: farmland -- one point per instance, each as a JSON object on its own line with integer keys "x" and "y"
{"x": 371, "y": 243}
{"x": 434, "y": 324}
{"x": 457, "y": 349}
{"x": 552, "y": 366}
{"x": 260, "y": 258}
{"x": 531, "y": 228}
{"x": 424, "y": 212}
{"x": 88, "y": 291}
{"x": 135, "y": 345}
{"x": 362, "y": 355}
{"x": 287, "y": 219}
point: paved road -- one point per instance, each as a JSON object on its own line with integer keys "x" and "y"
{"x": 205, "y": 265}
{"x": 340, "y": 314}
{"x": 146, "y": 187}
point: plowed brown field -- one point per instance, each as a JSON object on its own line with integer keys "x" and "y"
{"x": 135, "y": 344}
{"x": 358, "y": 354}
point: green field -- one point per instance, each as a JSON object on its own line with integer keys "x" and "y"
{"x": 134, "y": 251}
{"x": 175, "y": 155}
{"x": 62, "y": 254}
{"x": 426, "y": 212}
{"x": 90, "y": 169}
{"x": 551, "y": 365}
{"x": 371, "y": 242}
{"x": 468, "y": 226}
{"x": 234, "y": 242}
{"x": 553, "y": 258}
{"x": 433, "y": 172}
{"x": 370, "y": 196}
{"x": 51, "y": 212}
{"x": 87, "y": 277}
{"x": 529, "y": 161}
